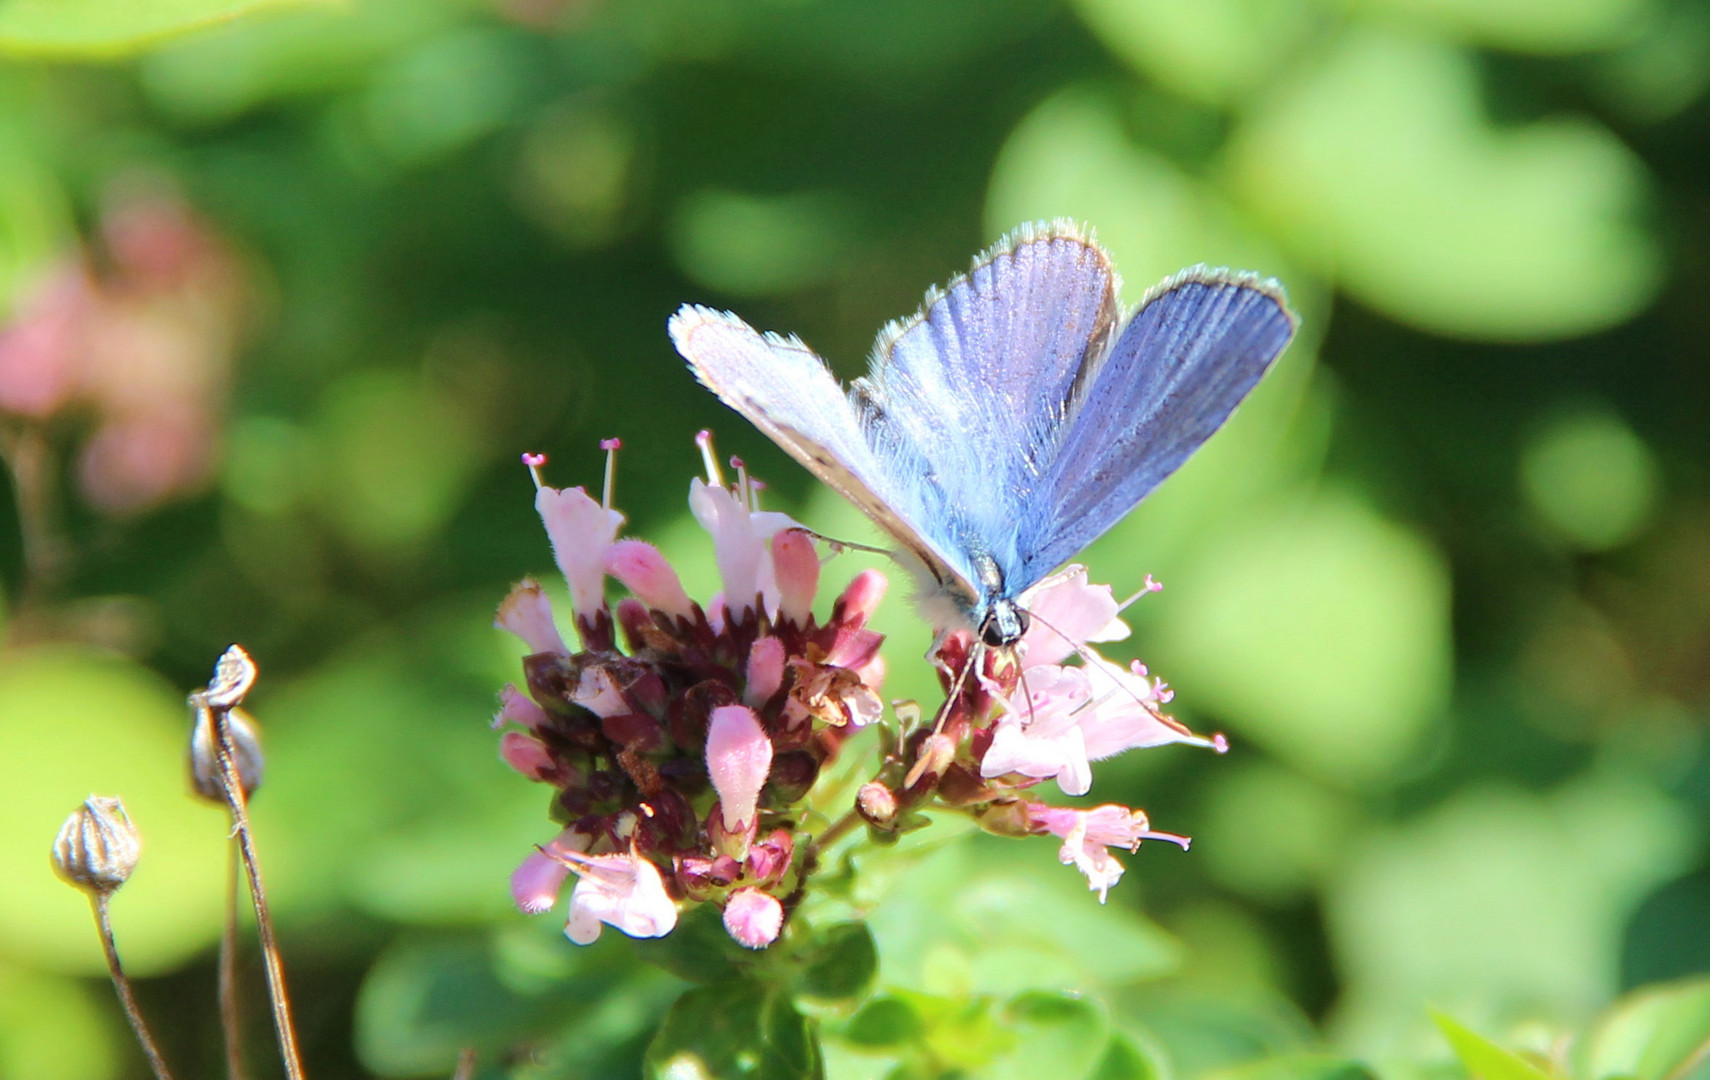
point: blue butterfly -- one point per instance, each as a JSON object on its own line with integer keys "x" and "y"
{"x": 1015, "y": 418}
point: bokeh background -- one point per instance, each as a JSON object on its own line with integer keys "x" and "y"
{"x": 287, "y": 288}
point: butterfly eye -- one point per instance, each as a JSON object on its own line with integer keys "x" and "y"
{"x": 1004, "y": 624}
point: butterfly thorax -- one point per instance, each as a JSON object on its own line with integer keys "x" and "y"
{"x": 1003, "y": 621}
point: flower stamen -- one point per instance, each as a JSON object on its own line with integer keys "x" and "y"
{"x": 715, "y": 476}
{"x": 534, "y": 463}
{"x": 611, "y": 447}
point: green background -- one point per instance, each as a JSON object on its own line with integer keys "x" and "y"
{"x": 1445, "y": 581}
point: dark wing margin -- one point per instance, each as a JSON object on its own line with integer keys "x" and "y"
{"x": 1198, "y": 343}
{"x": 783, "y": 388}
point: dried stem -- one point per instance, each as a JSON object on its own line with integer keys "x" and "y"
{"x": 30, "y": 461}
{"x": 258, "y": 895}
{"x": 832, "y": 835}
{"x": 122, "y": 984}
{"x": 230, "y": 1021}
{"x": 465, "y": 1064}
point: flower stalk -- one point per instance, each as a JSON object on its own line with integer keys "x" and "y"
{"x": 236, "y": 766}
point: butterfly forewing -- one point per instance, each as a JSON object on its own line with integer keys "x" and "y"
{"x": 786, "y": 391}
{"x": 1187, "y": 358}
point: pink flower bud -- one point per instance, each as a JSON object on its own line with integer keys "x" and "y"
{"x": 525, "y": 754}
{"x": 877, "y": 803}
{"x": 861, "y": 598}
{"x": 753, "y": 918}
{"x": 739, "y": 755}
{"x": 527, "y": 614}
{"x": 795, "y": 564}
{"x": 765, "y": 671}
{"x": 644, "y": 572}
{"x": 768, "y": 859}
{"x": 518, "y": 708}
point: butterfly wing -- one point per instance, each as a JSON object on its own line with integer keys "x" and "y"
{"x": 786, "y": 391}
{"x": 1193, "y": 350}
{"x": 967, "y": 398}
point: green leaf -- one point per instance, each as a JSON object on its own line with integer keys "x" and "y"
{"x": 699, "y": 949}
{"x": 734, "y": 1031}
{"x": 1297, "y": 1067}
{"x": 1320, "y": 629}
{"x": 1544, "y": 26}
{"x": 109, "y": 28}
{"x": 426, "y": 998}
{"x": 1379, "y": 167}
{"x": 1483, "y": 1058}
{"x": 1210, "y": 50}
{"x": 1056, "y": 1035}
{"x": 885, "y": 1021}
{"x": 1124, "y": 1059}
{"x": 1497, "y": 896}
{"x": 840, "y": 965}
{"x": 1651, "y": 1034}
{"x": 1001, "y": 916}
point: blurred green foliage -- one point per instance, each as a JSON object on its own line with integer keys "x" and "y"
{"x": 1445, "y": 580}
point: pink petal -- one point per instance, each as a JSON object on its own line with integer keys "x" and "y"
{"x": 861, "y": 598}
{"x": 644, "y": 572}
{"x": 525, "y": 754}
{"x": 796, "y": 566}
{"x": 1067, "y": 613}
{"x": 739, "y": 757}
{"x": 765, "y": 671}
{"x": 625, "y": 891}
{"x": 518, "y": 708}
{"x": 527, "y": 614}
{"x": 580, "y": 530}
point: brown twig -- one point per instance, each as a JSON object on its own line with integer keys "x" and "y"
{"x": 122, "y": 984}
{"x": 275, "y": 967}
{"x": 30, "y": 461}
{"x": 230, "y": 1020}
{"x": 465, "y": 1064}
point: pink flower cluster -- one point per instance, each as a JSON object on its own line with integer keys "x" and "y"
{"x": 144, "y": 346}
{"x": 682, "y": 763}
{"x": 670, "y": 754}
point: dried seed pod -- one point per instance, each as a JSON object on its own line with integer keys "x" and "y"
{"x": 97, "y": 847}
{"x": 234, "y": 674}
{"x": 205, "y": 778}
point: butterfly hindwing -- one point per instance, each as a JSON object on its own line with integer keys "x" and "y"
{"x": 1193, "y": 350}
{"x": 966, "y": 398}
